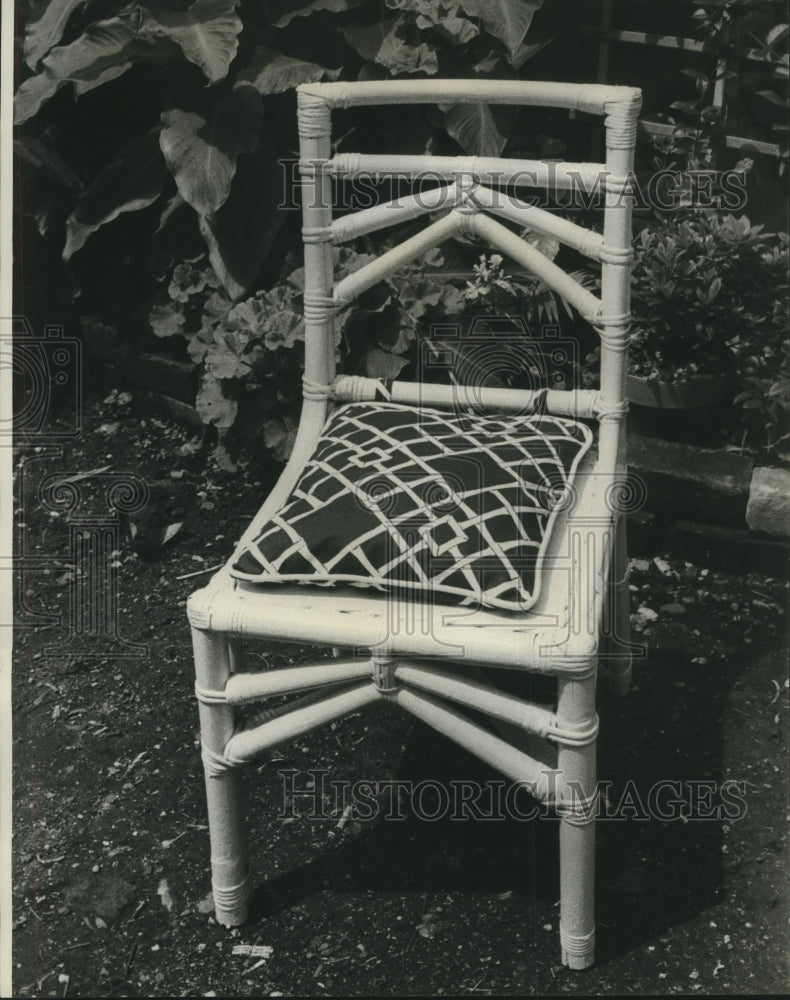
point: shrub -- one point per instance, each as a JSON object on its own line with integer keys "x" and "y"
{"x": 704, "y": 294}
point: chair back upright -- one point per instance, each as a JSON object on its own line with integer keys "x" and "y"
{"x": 470, "y": 200}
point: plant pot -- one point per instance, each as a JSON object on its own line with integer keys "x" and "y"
{"x": 707, "y": 390}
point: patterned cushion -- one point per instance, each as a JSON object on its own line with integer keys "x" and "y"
{"x": 459, "y": 505}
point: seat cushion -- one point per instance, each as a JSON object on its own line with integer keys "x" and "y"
{"x": 456, "y": 505}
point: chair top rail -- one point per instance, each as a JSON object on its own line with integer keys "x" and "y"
{"x": 589, "y": 97}
{"x": 560, "y": 174}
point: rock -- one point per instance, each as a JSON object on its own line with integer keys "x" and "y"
{"x": 103, "y": 895}
{"x": 690, "y": 482}
{"x": 768, "y": 509}
{"x": 206, "y": 905}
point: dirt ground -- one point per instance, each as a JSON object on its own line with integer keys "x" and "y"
{"x": 110, "y": 867}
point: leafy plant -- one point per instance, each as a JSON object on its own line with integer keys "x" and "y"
{"x": 763, "y": 364}
{"x": 700, "y": 289}
{"x": 765, "y": 403}
{"x": 497, "y": 291}
{"x": 212, "y": 116}
{"x": 710, "y": 297}
{"x": 773, "y": 47}
{"x": 699, "y": 124}
{"x": 251, "y": 352}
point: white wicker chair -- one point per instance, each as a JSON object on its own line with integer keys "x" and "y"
{"x": 585, "y": 564}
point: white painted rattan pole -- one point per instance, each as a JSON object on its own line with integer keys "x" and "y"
{"x": 371, "y": 274}
{"x": 481, "y": 697}
{"x": 563, "y": 284}
{"x": 495, "y": 752}
{"x": 617, "y": 259}
{"x": 314, "y": 148}
{"x": 576, "y": 710}
{"x": 247, "y": 744}
{"x": 393, "y": 212}
{"x": 319, "y": 311}
{"x": 507, "y": 206}
{"x": 224, "y": 791}
{"x": 592, "y": 98}
{"x": 580, "y": 403}
{"x": 242, "y": 688}
{"x": 614, "y": 328}
{"x": 550, "y": 174}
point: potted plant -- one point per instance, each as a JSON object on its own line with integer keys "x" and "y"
{"x": 701, "y": 291}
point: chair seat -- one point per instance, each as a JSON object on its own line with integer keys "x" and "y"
{"x": 460, "y": 505}
{"x": 558, "y": 633}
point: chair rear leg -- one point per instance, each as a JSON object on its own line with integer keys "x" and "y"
{"x": 576, "y": 806}
{"x": 619, "y": 642}
{"x": 224, "y": 788}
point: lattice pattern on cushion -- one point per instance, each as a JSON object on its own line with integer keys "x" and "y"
{"x": 460, "y": 505}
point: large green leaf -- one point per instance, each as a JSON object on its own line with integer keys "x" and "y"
{"x": 508, "y": 20}
{"x": 381, "y": 43}
{"x": 282, "y": 12}
{"x": 177, "y": 237}
{"x": 133, "y": 180}
{"x": 526, "y": 51}
{"x": 37, "y": 153}
{"x": 273, "y": 73}
{"x": 138, "y": 50}
{"x": 207, "y": 33}
{"x": 475, "y": 128}
{"x": 442, "y": 16}
{"x": 240, "y": 235}
{"x": 47, "y": 29}
{"x": 201, "y": 144}
{"x": 102, "y": 44}
{"x": 381, "y": 364}
{"x": 456, "y": 30}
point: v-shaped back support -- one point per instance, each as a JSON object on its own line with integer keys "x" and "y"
{"x": 470, "y": 202}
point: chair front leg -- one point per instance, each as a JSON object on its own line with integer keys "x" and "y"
{"x": 576, "y": 806}
{"x": 214, "y": 656}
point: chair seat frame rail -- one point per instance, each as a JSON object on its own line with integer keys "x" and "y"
{"x": 404, "y": 652}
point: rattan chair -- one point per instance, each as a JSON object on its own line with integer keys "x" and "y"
{"x": 397, "y": 639}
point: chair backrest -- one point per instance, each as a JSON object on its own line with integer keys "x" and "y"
{"x": 470, "y": 202}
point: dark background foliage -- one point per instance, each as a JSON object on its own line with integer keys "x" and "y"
{"x": 156, "y": 140}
